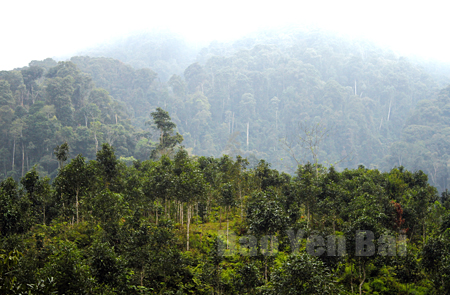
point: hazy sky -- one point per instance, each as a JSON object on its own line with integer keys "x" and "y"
{"x": 41, "y": 29}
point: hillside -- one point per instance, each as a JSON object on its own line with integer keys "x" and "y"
{"x": 254, "y": 97}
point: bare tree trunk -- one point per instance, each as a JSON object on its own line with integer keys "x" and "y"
{"x": 23, "y": 158}
{"x": 96, "y": 142}
{"x": 423, "y": 234}
{"x": 240, "y": 200}
{"x": 226, "y": 209}
{"x": 307, "y": 215}
{"x": 364, "y": 278}
{"x": 187, "y": 227}
{"x": 165, "y": 206}
{"x": 14, "y": 151}
{"x": 197, "y": 216}
{"x": 168, "y": 209}
{"x": 220, "y": 217}
{"x": 76, "y": 196}
{"x": 389, "y": 113}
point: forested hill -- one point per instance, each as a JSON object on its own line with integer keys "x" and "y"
{"x": 362, "y": 95}
{"x": 255, "y": 97}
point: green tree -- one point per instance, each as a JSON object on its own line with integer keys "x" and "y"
{"x": 59, "y": 93}
{"x": 6, "y": 95}
{"x": 62, "y": 153}
{"x": 38, "y": 191}
{"x": 166, "y": 127}
{"x": 74, "y": 182}
{"x": 303, "y": 274}
{"x": 189, "y": 185}
{"x": 265, "y": 217}
{"x": 108, "y": 164}
{"x": 9, "y": 213}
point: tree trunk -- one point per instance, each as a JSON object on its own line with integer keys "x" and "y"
{"x": 14, "y": 151}
{"x": 198, "y": 215}
{"x": 142, "y": 277}
{"x": 96, "y": 141}
{"x": 165, "y": 206}
{"x": 226, "y": 209}
{"x": 423, "y": 234}
{"x": 220, "y": 217}
{"x": 389, "y": 113}
{"x": 23, "y": 158}
{"x": 201, "y": 231}
{"x": 351, "y": 276}
{"x": 76, "y": 196}
{"x": 364, "y": 278}
{"x": 187, "y": 227}
{"x": 265, "y": 268}
{"x": 240, "y": 200}
{"x": 307, "y": 215}
{"x": 168, "y": 209}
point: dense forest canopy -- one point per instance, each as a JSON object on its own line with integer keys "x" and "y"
{"x": 166, "y": 227}
{"x": 257, "y": 97}
{"x": 131, "y": 170}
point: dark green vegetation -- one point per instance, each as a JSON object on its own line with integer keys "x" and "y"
{"x": 102, "y": 227}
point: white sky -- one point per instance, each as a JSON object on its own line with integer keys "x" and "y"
{"x": 40, "y": 29}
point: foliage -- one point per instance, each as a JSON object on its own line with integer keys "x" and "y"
{"x": 129, "y": 211}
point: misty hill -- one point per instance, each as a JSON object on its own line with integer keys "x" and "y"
{"x": 298, "y": 76}
{"x": 164, "y": 52}
{"x": 275, "y": 86}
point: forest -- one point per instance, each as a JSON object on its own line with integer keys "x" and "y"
{"x": 153, "y": 227}
{"x": 122, "y": 168}
{"x": 257, "y": 97}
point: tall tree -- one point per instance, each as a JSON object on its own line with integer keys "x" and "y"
{"x": 62, "y": 153}
{"x": 74, "y": 181}
{"x": 167, "y": 141}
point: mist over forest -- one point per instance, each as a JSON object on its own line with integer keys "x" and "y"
{"x": 374, "y": 107}
{"x": 308, "y": 123}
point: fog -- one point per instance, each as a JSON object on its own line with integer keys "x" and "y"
{"x": 37, "y": 30}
